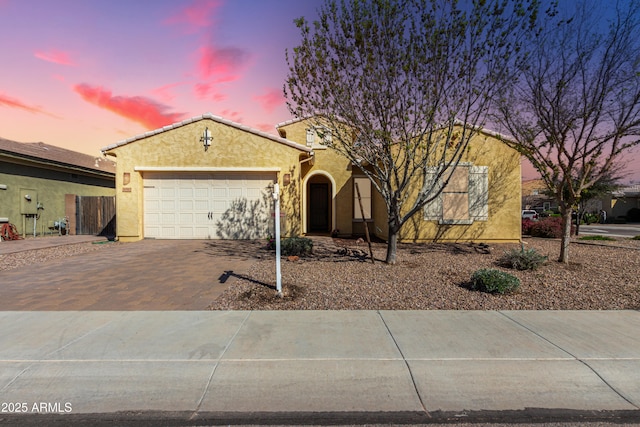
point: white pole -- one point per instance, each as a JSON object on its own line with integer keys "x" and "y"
{"x": 276, "y": 197}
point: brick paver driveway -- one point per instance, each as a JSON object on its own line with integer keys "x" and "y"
{"x": 145, "y": 275}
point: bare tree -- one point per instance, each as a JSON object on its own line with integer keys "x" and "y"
{"x": 402, "y": 86}
{"x": 577, "y": 109}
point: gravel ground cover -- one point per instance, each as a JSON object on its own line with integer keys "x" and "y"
{"x": 601, "y": 276}
{"x": 30, "y": 257}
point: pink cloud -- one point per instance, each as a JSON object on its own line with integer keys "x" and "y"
{"x": 7, "y": 101}
{"x": 195, "y": 16}
{"x": 234, "y": 116}
{"x": 270, "y": 100}
{"x": 164, "y": 92}
{"x": 55, "y": 56}
{"x": 207, "y": 91}
{"x": 221, "y": 64}
{"x": 143, "y": 110}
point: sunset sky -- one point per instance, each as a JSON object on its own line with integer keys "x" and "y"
{"x": 85, "y": 74}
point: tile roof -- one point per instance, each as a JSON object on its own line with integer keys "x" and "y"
{"x": 216, "y": 119}
{"x": 57, "y": 156}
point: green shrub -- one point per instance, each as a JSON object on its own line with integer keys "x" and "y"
{"x": 596, "y": 237}
{"x": 590, "y": 218}
{"x": 494, "y": 281}
{"x": 636, "y": 237}
{"x": 523, "y": 259}
{"x": 298, "y": 246}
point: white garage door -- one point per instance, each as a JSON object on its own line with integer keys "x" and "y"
{"x": 207, "y": 205}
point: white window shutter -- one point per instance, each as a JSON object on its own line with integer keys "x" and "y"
{"x": 311, "y": 137}
{"x": 479, "y": 193}
{"x": 433, "y": 209}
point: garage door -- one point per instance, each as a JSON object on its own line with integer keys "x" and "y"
{"x": 207, "y": 205}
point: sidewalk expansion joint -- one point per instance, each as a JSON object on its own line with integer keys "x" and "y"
{"x": 213, "y": 371}
{"x": 406, "y": 363}
{"x": 583, "y": 361}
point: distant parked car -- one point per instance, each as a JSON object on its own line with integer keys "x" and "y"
{"x": 529, "y": 214}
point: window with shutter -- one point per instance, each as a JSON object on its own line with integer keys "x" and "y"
{"x": 464, "y": 199}
{"x": 318, "y": 137}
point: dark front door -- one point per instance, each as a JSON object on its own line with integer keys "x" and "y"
{"x": 319, "y": 207}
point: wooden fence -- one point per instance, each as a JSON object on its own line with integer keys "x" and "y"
{"x": 95, "y": 215}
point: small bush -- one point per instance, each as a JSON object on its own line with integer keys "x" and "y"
{"x": 523, "y": 259}
{"x": 297, "y": 246}
{"x": 526, "y": 226}
{"x": 494, "y": 281}
{"x": 636, "y": 237}
{"x": 596, "y": 237}
{"x": 549, "y": 228}
{"x": 292, "y": 246}
{"x": 590, "y": 218}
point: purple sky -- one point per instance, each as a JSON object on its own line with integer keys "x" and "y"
{"x": 84, "y": 74}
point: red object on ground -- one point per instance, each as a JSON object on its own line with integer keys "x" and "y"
{"x": 9, "y": 232}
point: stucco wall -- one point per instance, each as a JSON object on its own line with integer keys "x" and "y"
{"x": 180, "y": 147}
{"x": 331, "y": 164}
{"x": 504, "y": 197}
{"x": 50, "y": 185}
{"x": 503, "y": 223}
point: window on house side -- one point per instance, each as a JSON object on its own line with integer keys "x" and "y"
{"x": 318, "y": 137}
{"x": 364, "y": 185}
{"x": 463, "y": 200}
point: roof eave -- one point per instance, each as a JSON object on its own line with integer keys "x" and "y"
{"x": 210, "y": 117}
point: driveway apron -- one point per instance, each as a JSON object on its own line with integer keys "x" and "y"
{"x": 145, "y": 275}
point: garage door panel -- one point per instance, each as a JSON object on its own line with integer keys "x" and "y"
{"x": 219, "y": 193}
{"x": 201, "y": 205}
{"x": 201, "y": 193}
{"x": 168, "y": 217}
{"x": 193, "y": 206}
{"x": 219, "y": 206}
{"x": 167, "y": 192}
{"x": 167, "y": 205}
{"x": 235, "y": 193}
{"x": 186, "y": 205}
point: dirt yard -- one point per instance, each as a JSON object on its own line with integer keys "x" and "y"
{"x": 601, "y": 276}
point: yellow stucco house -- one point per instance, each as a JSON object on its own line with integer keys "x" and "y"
{"x": 210, "y": 178}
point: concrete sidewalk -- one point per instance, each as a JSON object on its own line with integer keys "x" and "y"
{"x": 319, "y": 367}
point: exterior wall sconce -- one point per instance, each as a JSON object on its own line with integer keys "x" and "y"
{"x": 206, "y": 139}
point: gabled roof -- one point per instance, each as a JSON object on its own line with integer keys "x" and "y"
{"x": 209, "y": 116}
{"x": 46, "y": 154}
{"x": 457, "y": 122}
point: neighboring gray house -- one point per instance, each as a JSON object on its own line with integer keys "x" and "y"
{"x": 623, "y": 205}
{"x": 42, "y": 186}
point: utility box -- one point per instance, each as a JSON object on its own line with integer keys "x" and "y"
{"x": 28, "y": 201}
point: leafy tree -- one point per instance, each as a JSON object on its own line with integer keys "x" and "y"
{"x": 403, "y": 85}
{"x": 603, "y": 186}
{"x": 577, "y": 108}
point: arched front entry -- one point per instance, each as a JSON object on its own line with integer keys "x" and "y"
{"x": 319, "y": 203}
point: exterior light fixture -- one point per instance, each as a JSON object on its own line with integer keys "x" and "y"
{"x": 206, "y": 139}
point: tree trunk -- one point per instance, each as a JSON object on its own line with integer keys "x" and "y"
{"x": 392, "y": 246}
{"x": 566, "y": 236}
{"x": 394, "y": 229}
